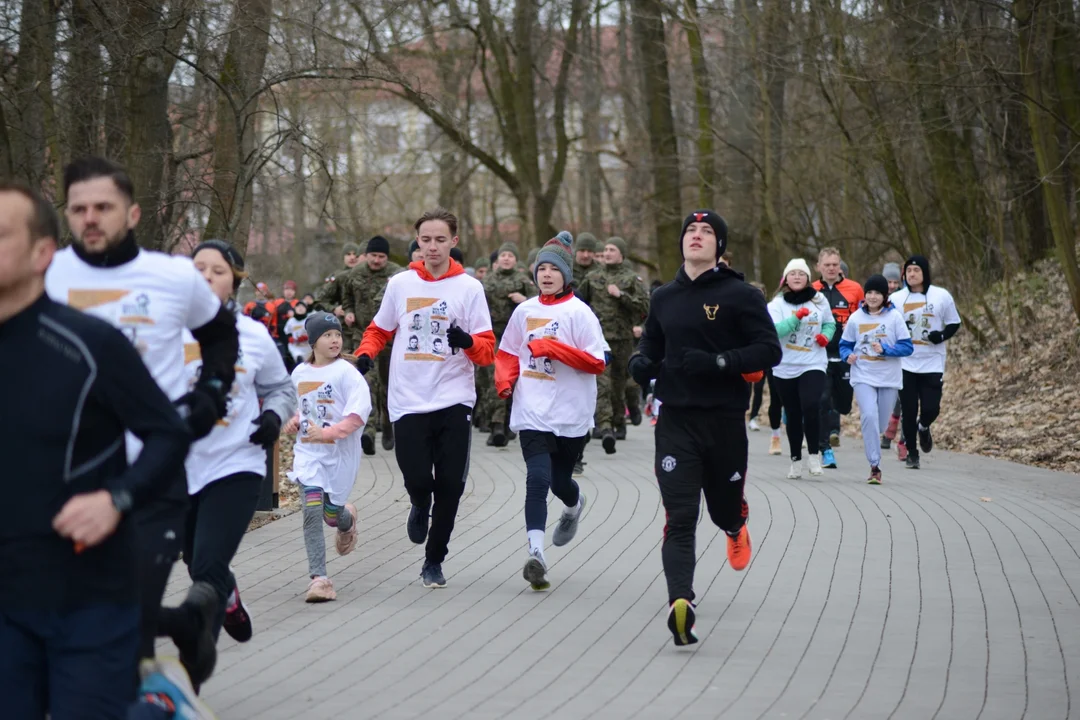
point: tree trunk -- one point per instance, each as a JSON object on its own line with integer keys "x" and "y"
{"x": 86, "y": 83}
{"x": 237, "y": 104}
{"x": 742, "y": 101}
{"x": 33, "y": 86}
{"x": 773, "y": 77}
{"x": 651, "y": 45}
{"x": 1036, "y": 66}
{"x": 706, "y": 149}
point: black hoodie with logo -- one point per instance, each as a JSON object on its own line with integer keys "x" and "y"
{"x": 717, "y": 312}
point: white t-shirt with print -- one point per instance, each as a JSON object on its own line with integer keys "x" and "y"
{"x": 298, "y": 348}
{"x": 801, "y": 351}
{"x": 872, "y": 368}
{"x": 924, "y": 313}
{"x": 425, "y": 375}
{"x": 327, "y": 396}
{"x": 227, "y": 450}
{"x": 550, "y": 396}
{"x": 152, "y": 299}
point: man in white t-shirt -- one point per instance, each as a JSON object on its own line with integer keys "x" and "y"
{"x": 151, "y": 297}
{"x": 931, "y": 317}
{"x": 432, "y": 391}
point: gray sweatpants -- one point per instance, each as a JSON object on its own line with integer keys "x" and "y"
{"x": 875, "y": 407}
{"x": 317, "y": 509}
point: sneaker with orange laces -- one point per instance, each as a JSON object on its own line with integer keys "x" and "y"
{"x": 738, "y": 549}
{"x": 345, "y": 542}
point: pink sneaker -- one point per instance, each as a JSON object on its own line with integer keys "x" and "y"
{"x": 346, "y": 541}
{"x": 321, "y": 589}
{"x": 901, "y": 451}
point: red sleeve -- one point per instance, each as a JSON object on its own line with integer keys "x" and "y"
{"x": 482, "y": 352}
{"x": 507, "y": 368}
{"x": 375, "y": 339}
{"x": 567, "y": 355}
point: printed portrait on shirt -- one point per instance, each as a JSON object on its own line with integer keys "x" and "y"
{"x": 540, "y": 328}
{"x": 427, "y": 340}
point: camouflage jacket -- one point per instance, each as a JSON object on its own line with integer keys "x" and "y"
{"x": 498, "y": 285}
{"x": 331, "y": 294}
{"x": 618, "y": 315}
{"x": 580, "y": 271}
{"x": 363, "y": 291}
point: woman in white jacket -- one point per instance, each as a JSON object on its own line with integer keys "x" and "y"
{"x": 805, "y": 324}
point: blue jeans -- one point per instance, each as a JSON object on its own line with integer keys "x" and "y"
{"x": 81, "y": 664}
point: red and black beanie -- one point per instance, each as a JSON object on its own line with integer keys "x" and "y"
{"x": 718, "y": 225}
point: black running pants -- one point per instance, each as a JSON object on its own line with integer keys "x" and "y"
{"x": 697, "y": 451}
{"x": 920, "y": 402}
{"x": 836, "y": 398}
{"x": 433, "y": 454}
{"x": 802, "y": 400}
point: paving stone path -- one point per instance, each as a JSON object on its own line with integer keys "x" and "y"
{"x": 947, "y": 593}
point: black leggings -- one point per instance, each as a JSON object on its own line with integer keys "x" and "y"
{"x": 549, "y": 464}
{"x": 776, "y": 405}
{"x": 802, "y": 400}
{"x": 920, "y": 400}
{"x": 159, "y": 532}
{"x": 433, "y": 453}
{"x": 216, "y": 523}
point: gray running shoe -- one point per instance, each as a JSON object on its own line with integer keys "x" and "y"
{"x": 568, "y": 523}
{"x": 535, "y": 572}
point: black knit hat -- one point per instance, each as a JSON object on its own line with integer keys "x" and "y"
{"x": 378, "y": 244}
{"x": 878, "y": 284}
{"x": 456, "y": 254}
{"x": 231, "y": 255}
{"x": 413, "y": 247}
{"x": 718, "y": 224}
{"x": 319, "y": 324}
{"x": 923, "y": 265}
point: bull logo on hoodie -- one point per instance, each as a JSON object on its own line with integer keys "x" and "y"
{"x": 710, "y": 311}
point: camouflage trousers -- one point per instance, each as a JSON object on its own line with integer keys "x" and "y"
{"x": 493, "y": 409}
{"x": 378, "y": 381}
{"x": 615, "y": 391}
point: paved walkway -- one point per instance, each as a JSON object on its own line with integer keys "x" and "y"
{"x": 946, "y": 593}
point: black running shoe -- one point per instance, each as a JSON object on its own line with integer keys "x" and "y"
{"x": 912, "y": 461}
{"x": 198, "y": 651}
{"x": 418, "y": 525}
{"x": 886, "y": 443}
{"x": 635, "y": 416}
{"x": 432, "y": 575}
{"x": 238, "y": 619}
{"x": 498, "y": 435}
{"x": 926, "y": 440}
{"x": 607, "y": 439}
{"x": 367, "y": 442}
{"x": 620, "y": 433}
{"x": 388, "y": 440}
{"x": 680, "y": 622}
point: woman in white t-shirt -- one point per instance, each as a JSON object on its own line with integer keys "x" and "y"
{"x": 334, "y": 403}
{"x": 553, "y": 381}
{"x": 804, "y": 322}
{"x": 226, "y": 469}
{"x": 875, "y": 338}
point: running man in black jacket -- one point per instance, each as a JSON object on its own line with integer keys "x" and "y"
{"x": 69, "y": 596}
{"x": 707, "y": 335}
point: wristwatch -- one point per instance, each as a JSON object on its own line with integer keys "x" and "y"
{"x": 721, "y": 361}
{"x": 121, "y": 500}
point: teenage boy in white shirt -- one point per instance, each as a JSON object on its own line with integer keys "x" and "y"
{"x": 432, "y": 390}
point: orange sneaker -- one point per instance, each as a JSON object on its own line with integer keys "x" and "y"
{"x": 738, "y": 549}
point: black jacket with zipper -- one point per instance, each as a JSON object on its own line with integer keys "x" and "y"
{"x": 717, "y": 312}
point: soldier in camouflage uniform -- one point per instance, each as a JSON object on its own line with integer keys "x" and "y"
{"x": 621, "y": 301}
{"x": 362, "y": 296}
{"x": 584, "y": 247}
{"x": 505, "y": 287}
{"x": 331, "y": 294}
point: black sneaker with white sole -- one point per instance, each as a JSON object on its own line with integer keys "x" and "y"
{"x": 237, "y": 618}
{"x": 926, "y": 440}
{"x": 367, "y": 443}
{"x": 432, "y": 575}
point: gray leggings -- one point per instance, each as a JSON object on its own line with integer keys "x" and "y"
{"x": 318, "y": 508}
{"x": 875, "y": 407}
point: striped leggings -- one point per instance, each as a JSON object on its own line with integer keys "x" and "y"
{"x": 319, "y": 509}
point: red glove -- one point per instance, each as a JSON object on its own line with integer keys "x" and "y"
{"x": 821, "y": 340}
{"x": 754, "y": 377}
{"x": 802, "y": 312}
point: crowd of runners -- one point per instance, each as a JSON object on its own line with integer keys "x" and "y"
{"x": 164, "y": 396}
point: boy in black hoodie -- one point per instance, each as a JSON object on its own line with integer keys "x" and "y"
{"x": 708, "y": 333}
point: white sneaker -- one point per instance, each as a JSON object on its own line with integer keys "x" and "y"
{"x": 815, "y": 465}
{"x": 796, "y": 470}
{"x": 754, "y": 424}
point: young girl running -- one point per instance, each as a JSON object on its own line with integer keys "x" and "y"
{"x": 225, "y": 469}
{"x": 334, "y": 401}
{"x": 874, "y": 340}
{"x": 553, "y": 380}
{"x": 805, "y": 325}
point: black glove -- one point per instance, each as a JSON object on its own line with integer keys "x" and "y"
{"x": 935, "y": 337}
{"x": 699, "y": 362}
{"x": 201, "y": 409}
{"x": 268, "y": 430}
{"x": 643, "y": 370}
{"x": 364, "y": 364}
{"x": 458, "y": 338}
